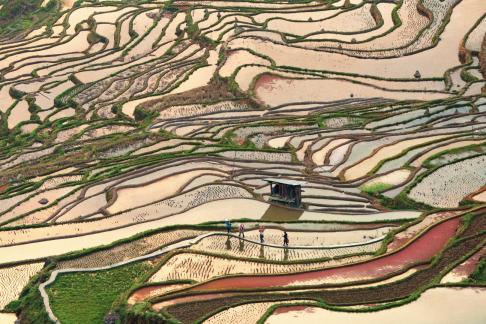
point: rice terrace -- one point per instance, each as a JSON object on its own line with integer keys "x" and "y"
{"x": 242, "y": 161}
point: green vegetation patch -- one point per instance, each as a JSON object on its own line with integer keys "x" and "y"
{"x": 375, "y": 187}
{"x": 86, "y": 297}
{"x": 21, "y": 15}
{"x": 479, "y": 275}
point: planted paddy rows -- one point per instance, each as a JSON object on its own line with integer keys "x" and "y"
{"x": 121, "y": 118}
{"x": 177, "y": 182}
{"x": 128, "y": 250}
{"x": 351, "y": 296}
{"x": 14, "y": 278}
{"x": 239, "y": 248}
{"x": 201, "y": 268}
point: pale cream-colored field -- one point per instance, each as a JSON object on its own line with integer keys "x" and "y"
{"x": 246, "y": 314}
{"x": 445, "y": 305}
{"x": 119, "y": 119}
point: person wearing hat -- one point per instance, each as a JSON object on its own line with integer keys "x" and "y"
{"x": 228, "y": 225}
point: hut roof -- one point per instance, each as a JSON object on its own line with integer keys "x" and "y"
{"x": 285, "y": 181}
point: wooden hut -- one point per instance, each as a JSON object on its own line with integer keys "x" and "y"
{"x": 286, "y": 192}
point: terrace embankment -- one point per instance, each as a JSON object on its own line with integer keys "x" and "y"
{"x": 420, "y": 250}
{"x": 216, "y": 91}
{"x": 468, "y": 240}
{"x": 121, "y": 117}
{"x": 482, "y": 58}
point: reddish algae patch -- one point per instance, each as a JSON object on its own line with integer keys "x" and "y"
{"x": 266, "y": 81}
{"x": 404, "y": 237}
{"x": 179, "y": 300}
{"x": 287, "y": 309}
{"x": 3, "y": 188}
{"x": 467, "y": 267}
{"x": 143, "y": 293}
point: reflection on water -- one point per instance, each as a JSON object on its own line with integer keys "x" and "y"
{"x": 241, "y": 246}
{"x": 228, "y": 243}
{"x": 285, "y": 254}
{"x": 276, "y": 213}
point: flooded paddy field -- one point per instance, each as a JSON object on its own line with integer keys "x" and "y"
{"x": 242, "y": 161}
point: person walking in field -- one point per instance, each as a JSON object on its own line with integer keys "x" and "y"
{"x": 261, "y": 229}
{"x": 285, "y": 239}
{"x": 228, "y": 225}
{"x": 241, "y": 230}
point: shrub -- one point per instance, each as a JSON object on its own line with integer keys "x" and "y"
{"x": 16, "y": 94}
{"x": 479, "y": 274}
{"x": 375, "y": 187}
{"x": 141, "y": 114}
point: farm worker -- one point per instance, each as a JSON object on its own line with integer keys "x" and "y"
{"x": 286, "y": 239}
{"x": 241, "y": 230}
{"x": 261, "y": 229}
{"x": 228, "y": 225}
